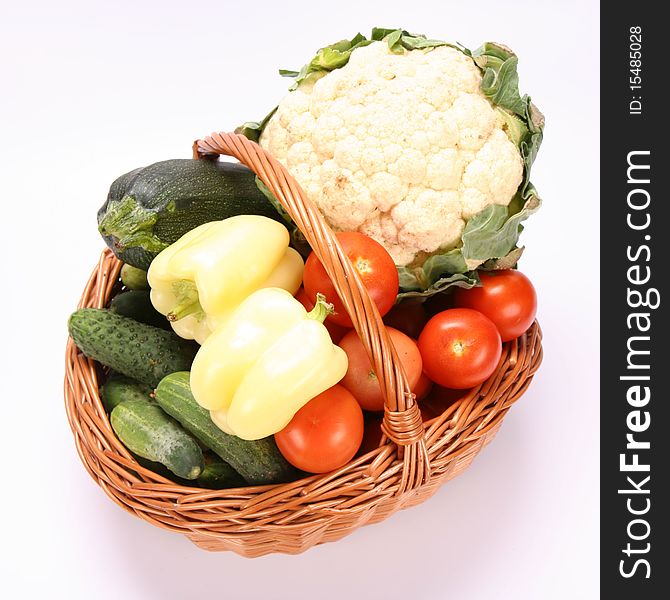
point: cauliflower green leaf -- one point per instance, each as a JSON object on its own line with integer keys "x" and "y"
{"x": 488, "y": 242}
{"x": 442, "y": 285}
{"x": 328, "y": 58}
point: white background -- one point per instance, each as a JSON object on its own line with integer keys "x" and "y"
{"x": 90, "y": 90}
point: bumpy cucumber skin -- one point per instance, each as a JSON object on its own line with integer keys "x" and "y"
{"x": 139, "y": 351}
{"x": 134, "y": 278}
{"x": 259, "y": 461}
{"x": 119, "y": 388}
{"x": 148, "y": 432}
{"x": 136, "y": 304}
{"x": 165, "y": 200}
{"x": 218, "y": 475}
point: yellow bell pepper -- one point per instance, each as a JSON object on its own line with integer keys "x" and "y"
{"x": 266, "y": 363}
{"x": 198, "y": 281}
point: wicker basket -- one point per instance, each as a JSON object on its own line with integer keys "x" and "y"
{"x": 413, "y": 460}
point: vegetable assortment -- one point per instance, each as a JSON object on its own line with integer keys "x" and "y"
{"x": 230, "y": 359}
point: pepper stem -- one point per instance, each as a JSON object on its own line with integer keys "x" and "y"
{"x": 188, "y": 302}
{"x": 321, "y": 309}
{"x": 184, "y": 309}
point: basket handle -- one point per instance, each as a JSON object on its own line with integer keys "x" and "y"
{"x": 402, "y": 419}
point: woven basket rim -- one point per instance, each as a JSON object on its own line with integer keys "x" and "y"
{"x": 453, "y": 438}
{"x": 405, "y": 469}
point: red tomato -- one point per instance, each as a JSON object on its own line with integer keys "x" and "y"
{"x": 336, "y": 332}
{"x": 408, "y": 317}
{"x": 460, "y": 348}
{"x": 360, "y": 378}
{"x": 325, "y": 434}
{"x": 506, "y": 297}
{"x": 374, "y": 265}
{"x": 422, "y": 387}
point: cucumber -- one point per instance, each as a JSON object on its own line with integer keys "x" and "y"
{"x": 139, "y": 351}
{"x": 150, "y": 208}
{"x": 147, "y": 431}
{"x": 119, "y": 388}
{"x": 136, "y": 304}
{"x": 134, "y": 278}
{"x": 160, "y": 469}
{"x": 258, "y": 461}
{"x": 218, "y": 475}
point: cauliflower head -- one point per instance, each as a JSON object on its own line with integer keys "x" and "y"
{"x": 422, "y": 145}
{"x": 402, "y": 147}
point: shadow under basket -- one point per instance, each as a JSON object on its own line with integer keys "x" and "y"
{"x": 414, "y": 457}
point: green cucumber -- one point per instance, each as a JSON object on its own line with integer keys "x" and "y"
{"x": 119, "y": 388}
{"x": 134, "y": 278}
{"x": 147, "y": 431}
{"x": 258, "y": 461}
{"x": 218, "y": 475}
{"x": 150, "y": 208}
{"x": 163, "y": 471}
{"x": 139, "y": 351}
{"x": 137, "y": 305}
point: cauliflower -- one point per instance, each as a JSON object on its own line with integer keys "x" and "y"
{"x": 401, "y": 138}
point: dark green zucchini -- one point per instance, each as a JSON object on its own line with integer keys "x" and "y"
{"x": 150, "y": 208}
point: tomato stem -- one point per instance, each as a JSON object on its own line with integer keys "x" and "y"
{"x": 458, "y": 348}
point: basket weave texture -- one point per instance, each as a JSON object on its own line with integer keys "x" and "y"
{"x": 413, "y": 460}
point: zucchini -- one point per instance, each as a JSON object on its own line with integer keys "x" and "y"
{"x": 136, "y": 304}
{"x": 147, "y": 431}
{"x": 134, "y": 278}
{"x": 119, "y": 388}
{"x": 139, "y": 351}
{"x": 150, "y": 208}
{"x": 258, "y": 461}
